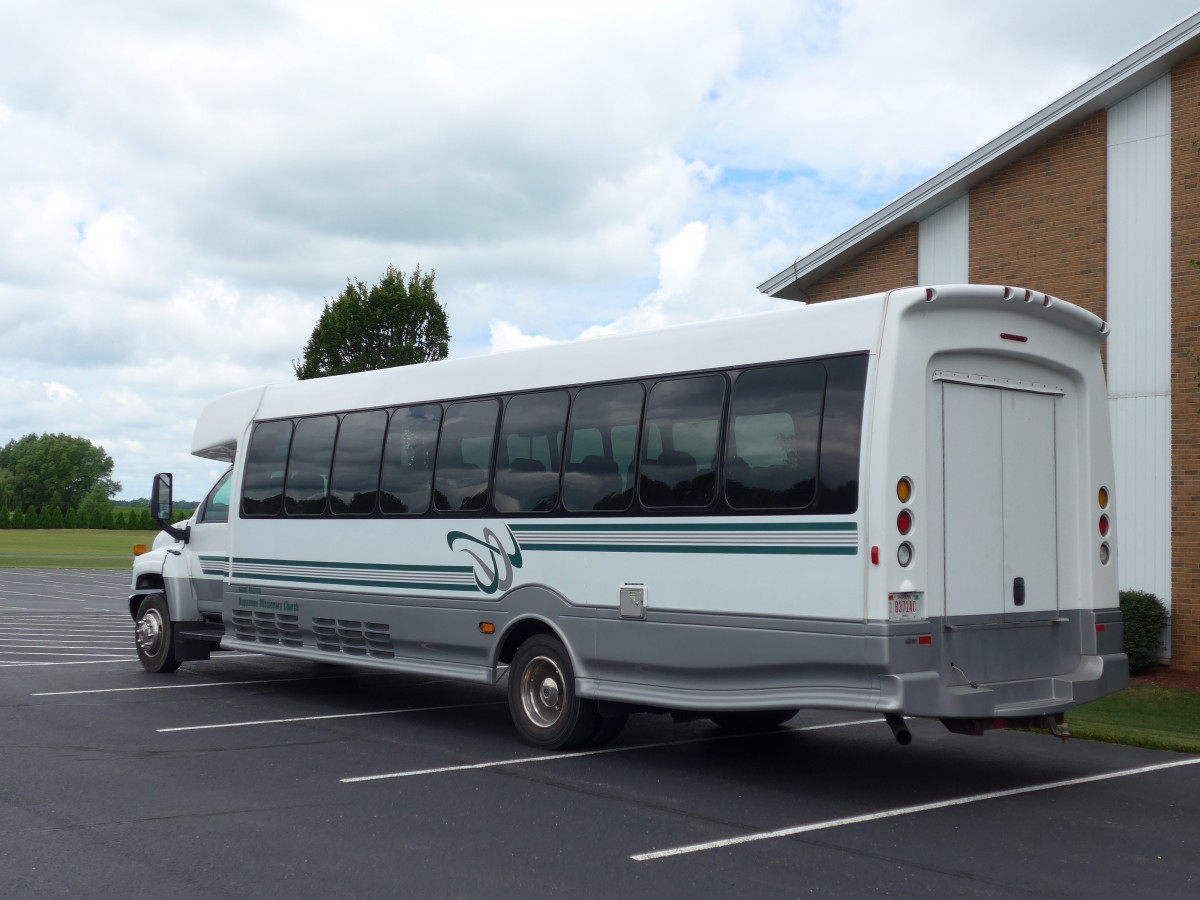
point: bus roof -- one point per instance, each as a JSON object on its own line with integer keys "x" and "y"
{"x": 827, "y": 329}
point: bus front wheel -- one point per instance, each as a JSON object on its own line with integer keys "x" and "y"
{"x": 542, "y": 699}
{"x": 155, "y": 635}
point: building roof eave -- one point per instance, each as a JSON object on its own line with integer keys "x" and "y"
{"x": 1122, "y": 79}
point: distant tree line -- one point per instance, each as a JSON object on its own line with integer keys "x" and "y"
{"x": 59, "y": 481}
{"x": 106, "y": 518}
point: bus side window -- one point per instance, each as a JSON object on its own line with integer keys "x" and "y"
{"x": 266, "y": 462}
{"x": 216, "y": 505}
{"x": 308, "y": 466}
{"x": 841, "y": 434}
{"x": 773, "y": 435}
{"x": 679, "y": 450}
{"x": 601, "y": 439}
{"x": 464, "y": 457}
{"x": 530, "y": 453}
{"x": 355, "y": 483}
{"x": 406, "y": 485}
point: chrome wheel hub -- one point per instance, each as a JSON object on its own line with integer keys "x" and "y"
{"x": 542, "y": 692}
{"x": 150, "y": 632}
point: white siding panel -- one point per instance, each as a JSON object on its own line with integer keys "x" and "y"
{"x": 942, "y": 245}
{"x": 1142, "y": 526}
{"x": 1139, "y": 310}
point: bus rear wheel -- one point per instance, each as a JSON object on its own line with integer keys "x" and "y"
{"x": 155, "y": 635}
{"x": 542, "y": 699}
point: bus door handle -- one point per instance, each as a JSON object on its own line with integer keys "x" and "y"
{"x": 1018, "y": 591}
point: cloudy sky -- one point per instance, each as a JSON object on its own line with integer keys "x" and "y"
{"x": 183, "y": 184}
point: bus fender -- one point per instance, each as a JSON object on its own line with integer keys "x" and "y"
{"x": 537, "y": 609}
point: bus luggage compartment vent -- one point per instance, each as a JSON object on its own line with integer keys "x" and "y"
{"x": 279, "y": 629}
{"x": 354, "y": 638}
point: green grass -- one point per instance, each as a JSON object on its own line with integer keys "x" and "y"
{"x": 70, "y": 548}
{"x": 1154, "y": 717}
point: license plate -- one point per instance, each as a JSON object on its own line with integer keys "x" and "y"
{"x": 906, "y": 606}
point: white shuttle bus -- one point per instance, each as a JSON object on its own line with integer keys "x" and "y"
{"x": 899, "y": 503}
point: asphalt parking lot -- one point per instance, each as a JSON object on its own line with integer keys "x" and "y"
{"x": 249, "y": 776}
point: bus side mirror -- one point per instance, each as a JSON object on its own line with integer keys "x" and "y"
{"x": 162, "y": 507}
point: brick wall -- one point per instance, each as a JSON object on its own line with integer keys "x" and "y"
{"x": 1040, "y": 223}
{"x": 889, "y": 264}
{"x": 1185, "y": 363}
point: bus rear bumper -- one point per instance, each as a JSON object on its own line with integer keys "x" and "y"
{"x": 951, "y": 695}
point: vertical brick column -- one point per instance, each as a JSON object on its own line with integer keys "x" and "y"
{"x": 1185, "y": 364}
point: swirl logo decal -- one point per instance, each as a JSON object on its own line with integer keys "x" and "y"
{"x": 494, "y": 563}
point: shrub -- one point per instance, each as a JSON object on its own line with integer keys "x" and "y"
{"x": 1144, "y": 617}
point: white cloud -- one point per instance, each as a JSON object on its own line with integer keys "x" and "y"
{"x": 184, "y": 184}
{"x": 507, "y": 336}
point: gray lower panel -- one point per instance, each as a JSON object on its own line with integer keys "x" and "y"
{"x": 706, "y": 662}
{"x": 939, "y": 669}
{"x": 408, "y": 666}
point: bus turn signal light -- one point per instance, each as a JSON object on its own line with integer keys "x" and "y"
{"x": 139, "y": 549}
{"x": 904, "y": 490}
{"x": 487, "y": 627}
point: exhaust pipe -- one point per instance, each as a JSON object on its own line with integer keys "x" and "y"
{"x": 899, "y": 729}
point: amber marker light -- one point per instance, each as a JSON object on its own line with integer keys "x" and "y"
{"x": 1102, "y": 498}
{"x": 139, "y": 549}
{"x": 904, "y": 489}
{"x": 487, "y": 627}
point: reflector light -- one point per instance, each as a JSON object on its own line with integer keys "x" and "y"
{"x": 1104, "y": 526}
{"x": 1102, "y": 498}
{"x": 1020, "y": 338}
{"x": 904, "y": 521}
{"x": 925, "y": 639}
{"x": 1101, "y": 627}
{"x": 904, "y": 489}
{"x": 874, "y": 556}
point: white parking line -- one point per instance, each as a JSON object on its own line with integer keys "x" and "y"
{"x": 204, "y": 684}
{"x": 903, "y": 811}
{"x": 7, "y": 640}
{"x": 52, "y": 652}
{"x": 357, "y": 715}
{"x": 575, "y": 755}
{"x": 81, "y": 662}
{"x": 18, "y": 631}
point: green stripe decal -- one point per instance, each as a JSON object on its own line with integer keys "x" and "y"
{"x": 801, "y": 538}
{"x": 496, "y": 558}
{"x": 687, "y": 548}
{"x": 214, "y": 565}
{"x": 381, "y": 575}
